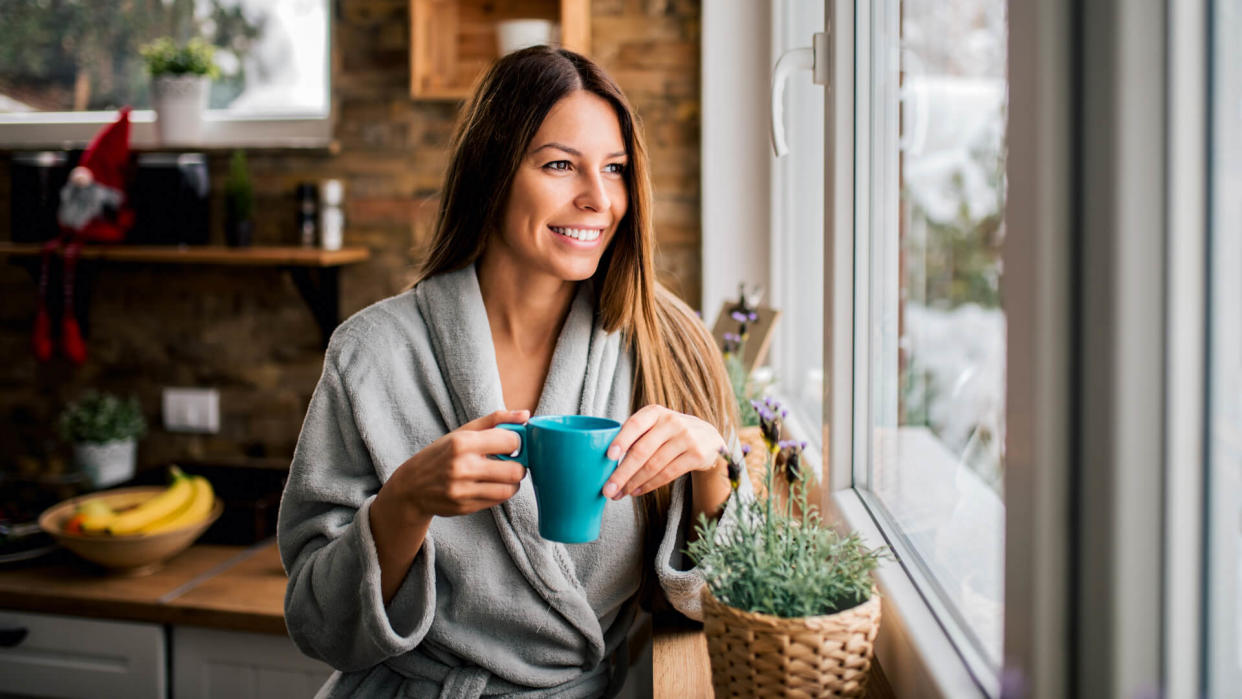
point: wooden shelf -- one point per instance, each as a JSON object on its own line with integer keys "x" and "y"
{"x": 452, "y": 42}
{"x": 315, "y": 272}
{"x": 207, "y": 255}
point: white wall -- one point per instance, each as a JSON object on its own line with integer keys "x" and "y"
{"x": 735, "y": 150}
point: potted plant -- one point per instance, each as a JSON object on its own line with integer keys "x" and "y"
{"x": 790, "y": 607}
{"x": 239, "y": 202}
{"x": 180, "y": 76}
{"x": 104, "y": 430}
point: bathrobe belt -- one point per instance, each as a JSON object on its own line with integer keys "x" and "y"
{"x": 471, "y": 681}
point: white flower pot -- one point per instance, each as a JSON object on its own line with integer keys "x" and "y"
{"x": 179, "y": 102}
{"x": 107, "y": 463}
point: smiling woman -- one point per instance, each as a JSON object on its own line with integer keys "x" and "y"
{"x": 538, "y": 297}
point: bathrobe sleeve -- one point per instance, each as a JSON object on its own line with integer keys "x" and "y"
{"x": 679, "y": 577}
{"x": 334, "y": 606}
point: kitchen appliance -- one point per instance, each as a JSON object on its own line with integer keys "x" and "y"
{"x": 36, "y": 177}
{"x": 171, "y": 199}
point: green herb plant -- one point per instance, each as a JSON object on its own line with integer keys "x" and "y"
{"x": 166, "y": 57}
{"x": 238, "y": 188}
{"x": 780, "y": 558}
{"x": 102, "y": 417}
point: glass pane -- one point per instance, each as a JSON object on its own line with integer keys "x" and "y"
{"x": 1225, "y": 357}
{"x": 937, "y": 331}
{"x": 83, "y": 55}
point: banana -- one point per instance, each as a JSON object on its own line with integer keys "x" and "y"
{"x": 171, "y": 499}
{"x": 195, "y": 510}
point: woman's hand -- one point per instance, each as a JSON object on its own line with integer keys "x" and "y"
{"x": 659, "y": 445}
{"x": 455, "y": 475}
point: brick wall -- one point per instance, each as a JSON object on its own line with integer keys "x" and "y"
{"x": 245, "y": 331}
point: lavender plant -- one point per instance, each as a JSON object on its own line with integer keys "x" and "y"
{"x": 769, "y": 559}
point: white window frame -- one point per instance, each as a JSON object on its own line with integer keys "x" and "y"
{"x": 1104, "y": 300}
{"x": 34, "y": 130}
{"x": 921, "y": 651}
{"x": 1105, "y": 381}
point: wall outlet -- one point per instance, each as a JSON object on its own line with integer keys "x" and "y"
{"x": 191, "y": 410}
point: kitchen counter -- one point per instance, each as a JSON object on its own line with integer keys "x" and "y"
{"x": 225, "y": 587}
{"x": 239, "y": 588}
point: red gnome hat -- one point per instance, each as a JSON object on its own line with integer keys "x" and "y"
{"x": 92, "y": 209}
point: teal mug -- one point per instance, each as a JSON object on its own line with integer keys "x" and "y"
{"x": 566, "y": 457}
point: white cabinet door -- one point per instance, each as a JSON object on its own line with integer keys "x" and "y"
{"x": 61, "y": 656}
{"x": 232, "y": 665}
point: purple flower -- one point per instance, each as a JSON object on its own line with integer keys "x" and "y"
{"x": 770, "y": 415}
{"x": 739, "y": 316}
{"x": 790, "y": 459}
{"x": 734, "y": 468}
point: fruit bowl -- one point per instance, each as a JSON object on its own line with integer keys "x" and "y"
{"x": 133, "y": 553}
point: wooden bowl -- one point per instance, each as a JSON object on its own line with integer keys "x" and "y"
{"x": 134, "y": 553}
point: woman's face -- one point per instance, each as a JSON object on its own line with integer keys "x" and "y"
{"x": 569, "y": 192}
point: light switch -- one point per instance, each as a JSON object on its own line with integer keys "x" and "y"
{"x": 191, "y": 410}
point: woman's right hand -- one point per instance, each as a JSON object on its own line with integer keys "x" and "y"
{"x": 456, "y": 474}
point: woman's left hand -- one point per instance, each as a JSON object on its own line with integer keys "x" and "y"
{"x": 659, "y": 445}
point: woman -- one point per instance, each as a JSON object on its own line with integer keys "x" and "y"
{"x": 415, "y": 565}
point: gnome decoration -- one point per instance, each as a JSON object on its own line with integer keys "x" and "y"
{"x": 92, "y": 209}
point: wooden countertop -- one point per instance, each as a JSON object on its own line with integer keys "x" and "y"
{"x": 187, "y": 589}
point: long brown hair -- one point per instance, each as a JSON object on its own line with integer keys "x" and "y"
{"x": 678, "y": 363}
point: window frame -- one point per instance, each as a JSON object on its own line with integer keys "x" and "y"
{"x": 1096, "y": 146}
{"x": 920, "y": 631}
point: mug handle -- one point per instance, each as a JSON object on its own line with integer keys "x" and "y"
{"x": 519, "y": 455}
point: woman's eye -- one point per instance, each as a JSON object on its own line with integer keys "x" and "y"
{"x": 616, "y": 168}
{"x": 559, "y": 165}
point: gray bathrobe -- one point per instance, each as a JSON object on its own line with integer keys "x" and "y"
{"x": 488, "y": 607}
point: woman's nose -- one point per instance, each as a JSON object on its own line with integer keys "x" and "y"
{"x": 594, "y": 194}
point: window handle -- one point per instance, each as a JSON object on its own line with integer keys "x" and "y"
{"x": 814, "y": 59}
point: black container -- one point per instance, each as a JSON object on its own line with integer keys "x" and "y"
{"x": 307, "y": 195}
{"x": 36, "y": 177}
{"x": 171, "y": 199}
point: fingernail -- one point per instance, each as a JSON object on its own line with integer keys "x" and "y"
{"x": 613, "y": 452}
{"x": 610, "y": 489}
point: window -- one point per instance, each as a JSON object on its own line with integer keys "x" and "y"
{"x": 1224, "y": 570}
{"x": 66, "y": 67}
{"x": 929, "y": 363}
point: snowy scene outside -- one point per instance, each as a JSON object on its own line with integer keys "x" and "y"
{"x": 938, "y": 330}
{"x": 83, "y": 56}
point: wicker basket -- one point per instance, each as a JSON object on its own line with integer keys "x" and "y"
{"x": 758, "y": 655}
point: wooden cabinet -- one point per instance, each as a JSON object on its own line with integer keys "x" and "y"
{"x": 452, "y": 42}
{"x": 213, "y": 664}
{"x": 49, "y": 655}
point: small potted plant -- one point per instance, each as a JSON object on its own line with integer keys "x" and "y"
{"x": 180, "y": 77}
{"x": 239, "y": 202}
{"x": 790, "y": 607}
{"x": 104, "y": 430}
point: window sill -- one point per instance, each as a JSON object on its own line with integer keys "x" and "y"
{"x": 917, "y": 655}
{"x": 20, "y": 131}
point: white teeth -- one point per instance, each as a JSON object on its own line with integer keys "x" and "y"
{"x": 584, "y": 234}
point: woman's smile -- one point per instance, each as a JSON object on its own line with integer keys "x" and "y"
{"x": 580, "y": 236}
